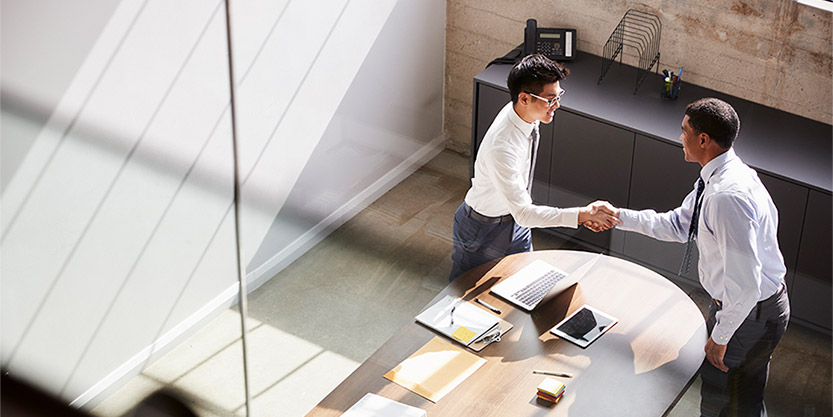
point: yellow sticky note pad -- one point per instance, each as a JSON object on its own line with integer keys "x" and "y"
{"x": 463, "y": 334}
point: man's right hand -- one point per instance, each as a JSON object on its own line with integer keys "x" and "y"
{"x": 599, "y": 216}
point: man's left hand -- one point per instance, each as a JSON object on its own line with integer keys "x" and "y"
{"x": 714, "y": 354}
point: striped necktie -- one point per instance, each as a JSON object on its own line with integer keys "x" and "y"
{"x": 535, "y": 137}
{"x": 692, "y": 229}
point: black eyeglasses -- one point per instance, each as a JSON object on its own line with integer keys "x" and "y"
{"x": 550, "y": 101}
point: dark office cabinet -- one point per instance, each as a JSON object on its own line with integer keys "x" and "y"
{"x": 489, "y": 102}
{"x": 601, "y": 128}
{"x": 814, "y": 257}
{"x": 541, "y": 181}
{"x": 661, "y": 177}
{"x": 790, "y": 200}
{"x": 660, "y": 180}
{"x": 811, "y": 292}
{"x": 591, "y": 161}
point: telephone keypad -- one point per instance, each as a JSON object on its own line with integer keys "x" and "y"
{"x": 550, "y": 49}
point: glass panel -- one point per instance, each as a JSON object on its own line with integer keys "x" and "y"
{"x": 119, "y": 268}
{"x": 356, "y": 107}
{"x": 119, "y": 275}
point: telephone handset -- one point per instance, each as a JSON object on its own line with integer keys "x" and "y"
{"x": 556, "y": 44}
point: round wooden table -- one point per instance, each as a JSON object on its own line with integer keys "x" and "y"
{"x": 640, "y": 367}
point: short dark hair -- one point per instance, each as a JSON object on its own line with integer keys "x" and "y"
{"x": 532, "y": 73}
{"x": 716, "y": 118}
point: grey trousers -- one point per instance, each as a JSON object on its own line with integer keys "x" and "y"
{"x": 475, "y": 242}
{"x": 740, "y": 392}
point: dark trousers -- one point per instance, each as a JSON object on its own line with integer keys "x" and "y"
{"x": 740, "y": 392}
{"x": 476, "y": 242}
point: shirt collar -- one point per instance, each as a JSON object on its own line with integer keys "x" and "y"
{"x": 524, "y": 127}
{"x": 718, "y": 161}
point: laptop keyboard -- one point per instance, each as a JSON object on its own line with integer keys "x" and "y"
{"x": 533, "y": 292}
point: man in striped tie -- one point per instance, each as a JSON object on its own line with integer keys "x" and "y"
{"x": 734, "y": 223}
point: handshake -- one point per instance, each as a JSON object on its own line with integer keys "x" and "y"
{"x": 599, "y": 216}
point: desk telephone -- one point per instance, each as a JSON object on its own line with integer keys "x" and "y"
{"x": 555, "y": 44}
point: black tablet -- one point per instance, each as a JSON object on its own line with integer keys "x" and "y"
{"x": 584, "y": 326}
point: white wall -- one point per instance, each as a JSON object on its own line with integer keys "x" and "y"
{"x": 383, "y": 122}
{"x": 38, "y": 65}
{"x": 117, "y": 230}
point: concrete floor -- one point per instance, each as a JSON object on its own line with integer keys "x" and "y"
{"x": 317, "y": 320}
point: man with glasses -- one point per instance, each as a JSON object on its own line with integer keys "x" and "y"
{"x": 494, "y": 219}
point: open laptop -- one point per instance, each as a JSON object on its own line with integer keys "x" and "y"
{"x": 527, "y": 287}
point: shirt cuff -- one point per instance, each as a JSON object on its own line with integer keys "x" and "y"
{"x": 570, "y": 217}
{"x": 628, "y": 218}
{"x": 721, "y": 335}
{"x": 728, "y": 322}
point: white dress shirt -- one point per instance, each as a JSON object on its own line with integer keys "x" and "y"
{"x": 740, "y": 262}
{"x": 501, "y": 176}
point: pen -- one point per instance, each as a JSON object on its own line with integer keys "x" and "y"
{"x": 484, "y": 304}
{"x": 493, "y": 334}
{"x": 564, "y": 374}
{"x": 454, "y": 307}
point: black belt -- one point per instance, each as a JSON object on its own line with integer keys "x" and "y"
{"x": 759, "y": 304}
{"x": 486, "y": 219}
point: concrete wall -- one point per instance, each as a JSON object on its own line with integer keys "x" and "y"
{"x": 773, "y": 52}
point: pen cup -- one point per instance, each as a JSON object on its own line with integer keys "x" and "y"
{"x": 670, "y": 87}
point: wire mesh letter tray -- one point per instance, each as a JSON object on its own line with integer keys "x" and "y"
{"x": 637, "y": 29}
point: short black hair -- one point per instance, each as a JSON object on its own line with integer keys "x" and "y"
{"x": 532, "y": 73}
{"x": 716, "y": 118}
